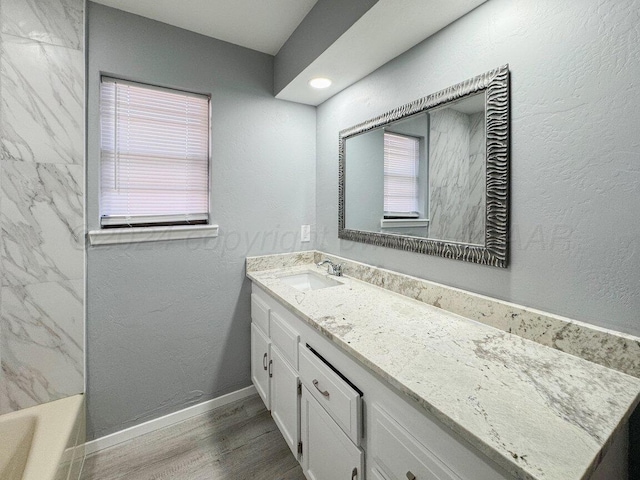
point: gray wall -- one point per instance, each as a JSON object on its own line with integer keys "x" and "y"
{"x": 41, "y": 201}
{"x": 575, "y": 180}
{"x": 364, "y": 192}
{"x": 168, "y": 322}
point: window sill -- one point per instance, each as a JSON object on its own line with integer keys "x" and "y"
{"x": 111, "y": 236}
{"x": 404, "y": 222}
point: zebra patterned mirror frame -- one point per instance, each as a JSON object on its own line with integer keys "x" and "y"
{"x": 495, "y": 85}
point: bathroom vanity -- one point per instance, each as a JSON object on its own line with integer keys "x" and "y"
{"x": 366, "y": 383}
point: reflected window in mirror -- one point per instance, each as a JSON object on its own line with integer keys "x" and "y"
{"x": 401, "y": 181}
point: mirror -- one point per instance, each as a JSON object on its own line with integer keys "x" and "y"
{"x": 421, "y": 176}
{"x": 432, "y": 176}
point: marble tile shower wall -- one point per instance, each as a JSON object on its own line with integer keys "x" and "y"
{"x": 456, "y": 174}
{"x": 476, "y": 207}
{"x": 41, "y": 201}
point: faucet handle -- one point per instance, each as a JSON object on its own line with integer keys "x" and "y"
{"x": 332, "y": 268}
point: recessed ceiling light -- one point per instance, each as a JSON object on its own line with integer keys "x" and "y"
{"x": 320, "y": 82}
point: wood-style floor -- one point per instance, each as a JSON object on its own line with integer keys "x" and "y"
{"x": 234, "y": 442}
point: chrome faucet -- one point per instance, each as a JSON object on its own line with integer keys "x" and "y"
{"x": 332, "y": 268}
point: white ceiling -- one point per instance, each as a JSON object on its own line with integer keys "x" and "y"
{"x": 262, "y": 25}
{"x": 388, "y": 29}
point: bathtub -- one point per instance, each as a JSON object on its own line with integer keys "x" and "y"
{"x": 39, "y": 443}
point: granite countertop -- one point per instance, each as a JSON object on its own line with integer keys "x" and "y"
{"x": 538, "y": 412}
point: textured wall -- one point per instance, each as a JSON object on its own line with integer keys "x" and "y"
{"x": 575, "y": 175}
{"x": 41, "y": 201}
{"x": 168, "y": 322}
{"x": 364, "y": 195}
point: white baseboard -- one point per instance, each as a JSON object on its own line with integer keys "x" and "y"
{"x": 161, "y": 422}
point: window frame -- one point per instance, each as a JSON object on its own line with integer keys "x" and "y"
{"x": 150, "y": 227}
{"x": 409, "y": 215}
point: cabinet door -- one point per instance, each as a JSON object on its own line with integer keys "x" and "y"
{"x": 375, "y": 474}
{"x": 327, "y": 452}
{"x": 285, "y": 404}
{"x": 260, "y": 358}
{"x": 397, "y": 453}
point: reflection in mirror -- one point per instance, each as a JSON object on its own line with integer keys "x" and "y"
{"x": 421, "y": 176}
{"x": 432, "y": 176}
{"x": 457, "y": 171}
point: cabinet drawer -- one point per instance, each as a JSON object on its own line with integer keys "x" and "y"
{"x": 285, "y": 338}
{"x": 260, "y": 313}
{"x": 400, "y": 455}
{"x": 338, "y": 398}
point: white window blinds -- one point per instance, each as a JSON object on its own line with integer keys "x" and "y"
{"x": 154, "y": 155}
{"x": 401, "y": 160}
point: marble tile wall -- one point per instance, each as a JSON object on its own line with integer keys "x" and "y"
{"x": 456, "y": 174}
{"x": 41, "y": 201}
{"x": 477, "y": 185}
{"x": 448, "y": 175}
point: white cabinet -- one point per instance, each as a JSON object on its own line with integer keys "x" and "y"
{"x": 400, "y": 455}
{"x": 342, "y": 428}
{"x": 376, "y": 475}
{"x": 260, "y": 359}
{"x": 327, "y": 452}
{"x": 285, "y": 404}
{"x": 274, "y": 362}
{"x": 346, "y": 417}
{"x": 324, "y": 437}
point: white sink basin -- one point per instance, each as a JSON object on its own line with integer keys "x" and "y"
{"x": 309, "y": 281}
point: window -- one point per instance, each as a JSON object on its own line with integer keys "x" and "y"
{"x": 401, "y": 160}
{"x": 154, "y": 156}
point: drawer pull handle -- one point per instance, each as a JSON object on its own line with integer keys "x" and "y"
{"x": 411, "y": 476}
{"x": 325, "y": 393}
{"x": 354, "y": 473}
{"x": 270, "y": 368}
{"x": 264, "y": 361}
